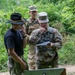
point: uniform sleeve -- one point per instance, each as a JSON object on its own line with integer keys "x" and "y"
{"x": 34, "y": 37}
{"x": 27, "y": 29}
{"x": 58, "y": 40}
{"x": 10, "y": 43}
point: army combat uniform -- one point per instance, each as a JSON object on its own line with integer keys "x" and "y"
{"x": 46, "y": 57}
{"x": 14, "y": 67}
{"x": 33, "y": 24}
{"x": 31, "y": 58}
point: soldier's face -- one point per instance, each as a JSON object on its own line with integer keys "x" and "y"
{"x": 33, "y": 14}
{"x": 17, "y": 27}
{"x": 44, "y": 25}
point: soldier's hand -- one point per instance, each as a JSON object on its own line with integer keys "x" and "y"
{"x": 23, "y": 66}
{"x": 42, "y": 30}
{"x": 49, "y": 45}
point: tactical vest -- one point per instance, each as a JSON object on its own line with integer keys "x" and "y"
{"x": 31, "y": 25}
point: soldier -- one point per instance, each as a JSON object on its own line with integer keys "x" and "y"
{"x": 33, "y": 24}
{"x": 47, "y": 41}
{"x": 15, "y": 41}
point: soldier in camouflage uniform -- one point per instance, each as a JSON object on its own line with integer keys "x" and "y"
{"x": 33, "y": 24}
{"x": 15, "y": 41}
{"x": 46, "y": 55}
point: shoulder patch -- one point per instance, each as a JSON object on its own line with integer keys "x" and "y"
{"x": 54, "y": 30}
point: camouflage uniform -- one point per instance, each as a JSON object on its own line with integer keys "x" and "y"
{"x": 14, "y": 67}
{"x": 29, "y": 29}
{"x": 46, "y": 57}
{"x": 32, "y": 23}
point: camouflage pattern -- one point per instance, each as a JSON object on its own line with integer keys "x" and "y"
{"x": 33, "y": 24}
{"x": 14, "y": 67}
{"x": 44, "y": 55}
{"x": 43, "y": 17}
{"x": 31, "y": 55}
{"x": 32, "y": 8}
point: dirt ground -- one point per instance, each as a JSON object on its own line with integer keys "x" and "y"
{"x": 70, "y": 69}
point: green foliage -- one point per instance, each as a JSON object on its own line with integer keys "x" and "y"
{"x": 3, "y": 56}
{"x": 62, "y": 11}
{"x": 26, "y": 52}
{"x": 67, "y": 52}
{"x": 46, "y": 1}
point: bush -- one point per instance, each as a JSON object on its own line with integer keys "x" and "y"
{"x": 66, "y": 53}
{"x": 3, "y": 57}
